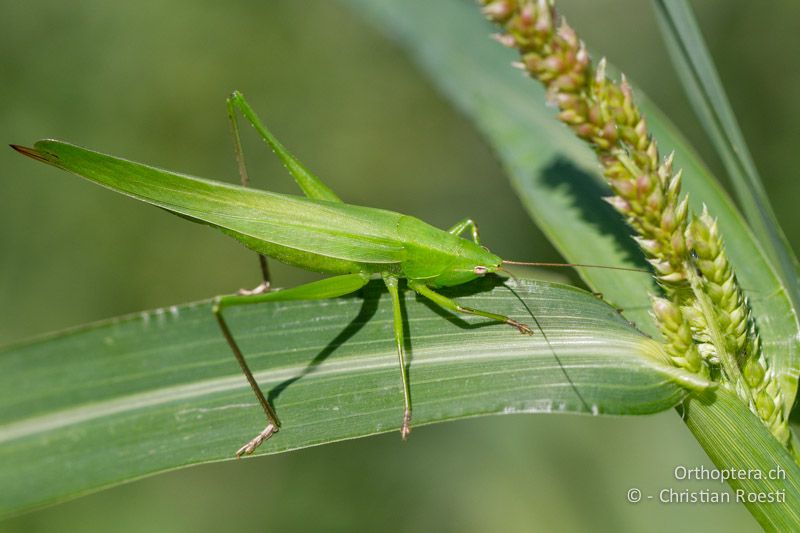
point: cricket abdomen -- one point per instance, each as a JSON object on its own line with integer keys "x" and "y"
{"x": 299, "y": 258}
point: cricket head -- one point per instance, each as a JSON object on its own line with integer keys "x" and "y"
{"x": 470, "y": 262}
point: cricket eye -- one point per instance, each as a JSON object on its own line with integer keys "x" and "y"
{"x": 480, "y": 270}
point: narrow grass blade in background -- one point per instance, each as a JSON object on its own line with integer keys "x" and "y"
{"x": 556, "y": 178}
{"x": 125, "y": 398}
{"x": 696, "y": 69}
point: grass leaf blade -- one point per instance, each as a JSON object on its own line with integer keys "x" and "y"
{"x": 749, "y": 447}
{"x": 129, "y": 397}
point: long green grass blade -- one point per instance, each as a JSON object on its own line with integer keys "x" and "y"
{"x": 128, "y": 397}
{"x": 557, "y": 180}
{"x": 701, "y": 82}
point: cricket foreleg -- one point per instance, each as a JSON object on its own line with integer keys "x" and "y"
{"x": 391, "y": 284}
{"x": 317, "y": 290}
{"x": 452, "y": 305}
{"x": 465, "y": 224}
{"x": 312, "y": 186}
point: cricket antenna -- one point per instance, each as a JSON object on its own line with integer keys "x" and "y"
{"x": 510, "y": 274}
{"x": 550, "y": 346}
{"x": 539, "y": 264}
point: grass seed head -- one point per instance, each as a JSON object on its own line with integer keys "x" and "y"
{"x": 647, "y": 193}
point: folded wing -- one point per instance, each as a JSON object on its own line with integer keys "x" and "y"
{"x": 330, "y": 229}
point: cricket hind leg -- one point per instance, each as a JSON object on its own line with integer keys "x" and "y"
{"x": 265, "y": 284}
{"x": 452, "y": 305}
{"x": 317, "y": 290}
{"x": 312, "y": 186}
{"x": 392, "y": 283}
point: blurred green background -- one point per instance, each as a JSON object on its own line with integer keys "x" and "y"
{"x": 147, "y": 80}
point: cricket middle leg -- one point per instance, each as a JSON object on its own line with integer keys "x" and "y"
{"x": 392, "y": 284}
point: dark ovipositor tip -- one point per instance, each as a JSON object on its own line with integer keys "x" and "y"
{"x": 30, "y": 152}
